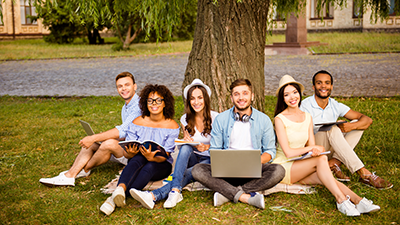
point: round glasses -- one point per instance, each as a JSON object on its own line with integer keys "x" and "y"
{"x": 158, "y": 101}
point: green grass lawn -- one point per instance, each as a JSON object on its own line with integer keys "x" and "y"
{"x": 39, "y": 49}
{"x": 338, "y": 43}
{"x": 39, "y": 138}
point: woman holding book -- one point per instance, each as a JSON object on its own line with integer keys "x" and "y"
{"x": 156, "y": 124}
{"x": 294, "y": 130}
{"x": 196, "y": 124}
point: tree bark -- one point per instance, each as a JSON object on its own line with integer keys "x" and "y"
{"x": 228, "y": 44}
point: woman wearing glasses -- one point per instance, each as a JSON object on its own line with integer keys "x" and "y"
{"x": 196, "y": 124}
{"x": 156, "y": 124}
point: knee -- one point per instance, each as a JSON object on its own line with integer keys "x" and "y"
{"x": 185, "y": 149}
{"x": 323, "y": 158}
{"x": 279, "y": 171}
{"x": 107, "y": 145}
{"x": 198, "y": 171}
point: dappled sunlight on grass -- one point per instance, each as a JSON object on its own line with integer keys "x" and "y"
{"x": 39, "y": 138}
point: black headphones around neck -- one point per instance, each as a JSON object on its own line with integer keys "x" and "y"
{"x": 245, "y": 118}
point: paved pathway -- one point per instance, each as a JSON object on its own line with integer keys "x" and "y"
{"x": 355, "y": 75}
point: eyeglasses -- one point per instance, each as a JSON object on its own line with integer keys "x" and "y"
{"x": 150, "y": 101}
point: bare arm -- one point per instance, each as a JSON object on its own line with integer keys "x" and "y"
{"x": 284, "y": 142}
{"x": 89, "y": 140}
{"x": 362, "y": 124}
{"x": 265, "y": 157}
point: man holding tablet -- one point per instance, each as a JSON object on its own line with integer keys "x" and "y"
{"x": 340, "y": 138}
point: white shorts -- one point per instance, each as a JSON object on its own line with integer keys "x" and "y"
{"x": 121, "y": 160}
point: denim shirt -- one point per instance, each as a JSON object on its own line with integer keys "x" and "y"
{"x": 128, "y": 114}
{"x": 262, "y": 131}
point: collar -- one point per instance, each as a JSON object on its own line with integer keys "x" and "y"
{"x": 315, "y": 105}
{"x": 133, "y": 101}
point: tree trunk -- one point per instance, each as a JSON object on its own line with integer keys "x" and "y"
{"x": 228, "y": 44}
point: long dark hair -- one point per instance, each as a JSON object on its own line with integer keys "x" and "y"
{"x": 281, "y": 104}
{"x": 169, "y": 109}
{"x": 190, "y": 113}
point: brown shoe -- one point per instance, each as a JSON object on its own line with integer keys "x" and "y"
{"x": 340, "y": 176}
{"x": 375, "y": 181}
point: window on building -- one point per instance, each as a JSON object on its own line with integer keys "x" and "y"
{"x": 391, "y": 9}
{"x": 326, "y": 11}
{"x": 27, "y": 9}
{"x": 1, "y": 18}
{"x": 357, "y": 10}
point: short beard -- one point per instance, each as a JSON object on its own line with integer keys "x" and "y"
{"x": 242, "y": 109}
{"x": 322, "y": 97}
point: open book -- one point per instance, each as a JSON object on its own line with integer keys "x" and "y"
{"x": 154, "y": 146}
{"x": 306, "y": 156}
{"x": 327, "y": 126}
{"x": 179, "y": 142}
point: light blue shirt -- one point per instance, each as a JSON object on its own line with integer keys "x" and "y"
{"x": 128, "y": 114}
{"x": 163, "y": 136}
{"x": 331, "y": 113}
{"x": 261, "y": 131}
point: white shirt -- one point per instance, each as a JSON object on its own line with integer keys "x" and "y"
{"x": 240, "y": 136}
{"x": 331, "y": 113}
{"x": 198, "y": 136}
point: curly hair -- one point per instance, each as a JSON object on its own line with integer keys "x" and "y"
{"x": 281, "y": 104}
{"x": 169, "y": 101}
{"x": 190, "y": 113}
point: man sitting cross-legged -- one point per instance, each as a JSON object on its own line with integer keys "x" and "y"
{"x": 93, "y": 154}
{"x": 242, "y": 127}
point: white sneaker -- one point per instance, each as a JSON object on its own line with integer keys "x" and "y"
{"x": 144, "y": 197}
{"x": 257, "y": 200}
{"x": 118, "y": 197}
{"x": 219, "y": 199}
{"x": 108, "y": 206}
{"x": 60, "y": 180}
{"x": 366, "y": 206}
{"x": 173, "y": 198}
{"x": 80, "y": 174}
{"x": 348, "y": 208}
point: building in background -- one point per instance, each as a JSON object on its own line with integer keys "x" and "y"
{"x": 335, "y": 18}
{"x": 16, "y": 22}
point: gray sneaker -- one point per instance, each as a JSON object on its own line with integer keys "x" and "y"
{"x": 219, "y": 199}
{"x": 257, "y": 200}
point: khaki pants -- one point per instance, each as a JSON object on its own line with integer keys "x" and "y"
{"x": 341, "y": 146}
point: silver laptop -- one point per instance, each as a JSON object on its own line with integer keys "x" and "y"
{"x": 88, "y": 129}
{"x": 236, "y": 163}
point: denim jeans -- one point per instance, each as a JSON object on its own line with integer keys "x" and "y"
{"x": 182, "y": 172}
{"x": 232, "y": 188}
{"x": 138, "y": 172}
